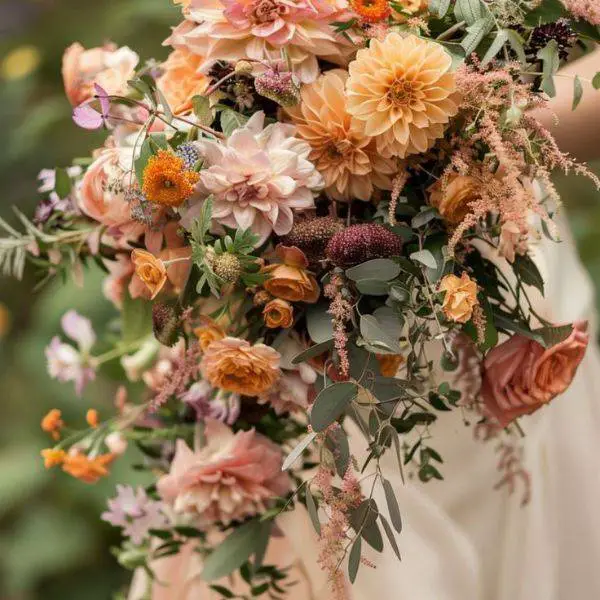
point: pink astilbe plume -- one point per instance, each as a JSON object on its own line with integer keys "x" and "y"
{"x": 588, "y": 10}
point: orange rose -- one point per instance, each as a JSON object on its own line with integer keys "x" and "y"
{"x": 234, "y": 365}
{"x": 208, "y": 332}
{"x": 290, "y": 280}
{"x": 460, "y": 298}
{"x": 150, "y": 270}
{"x": 520, "y": 376}
{"x": 181, "y": 80}
{"x": 278, "y": 313}
{"x": 110, "y": 67}
{"x": 454, "y": 200}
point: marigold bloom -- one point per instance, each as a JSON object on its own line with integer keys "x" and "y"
{"x": 290, "y": 280}
{"x": 86, "y": 469}
{"x": 346, "y": 158}
{"x": 52, "y": 423}
{"x": 92, "y": 418}
{"x": 460, "y": 297}
{"x": 150, "y": 270}
{"x": 234, "y": 365}
{"x": 53, "y": 457}
{"x": 278, "y": 313}
{"x": 371, "y": 11}
{"x": 401, "y": 93}
{"x": 166, "y": 181}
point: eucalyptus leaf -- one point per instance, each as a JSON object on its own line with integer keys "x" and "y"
{"x": 63, "y": 184}
{"x": 382, "y": 269}
{"x": 577, "y": 91}
{"x": 392, "y": 503}
{"x": 136, "y": 319}
{"x": 202, "y": 110}
{"x": 517, "y": 44}
{"x": 596, "y": 81}
{"x": 424, "y": 217}
{"x": 337, "y": 442}
{"x": 311, "y": 506}
{"x": 318, "y": 323}
{"x": 550, "y": 63}
{"x": 364, "y": 521}
{"x": 526, "y": 270}
{"x": 376, "y": 335}
{"x": 232, "y": 120}
{"x": 495, "y": 47}
{"x": 354, "y": 559}
{"x": 554, "y": 335}
{"x": 373, "y": 287}
{"x": 425, "y": 257}
{"x": 390, "y": 536}
{"x": 297, "y": 452}
{"x": 313, "y": 351}
{"x": 237, "y": 548}
{"x": 331, "y": 404}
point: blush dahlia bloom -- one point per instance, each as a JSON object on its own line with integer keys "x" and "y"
{"x": 231, "y": 478}
{"x": 109, "y": 67}
{"x": 235, "y": 366}
{"x": 401, "y": 92}
{"x": 258, "y": 29}
{"x": 347, "y": 159}
{"x": 67, "y": 363}
{"x": 258, "y": 178}
{"x": 520, "y": 376}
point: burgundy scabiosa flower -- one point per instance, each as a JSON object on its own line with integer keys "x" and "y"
{"x": 360, "y": 243}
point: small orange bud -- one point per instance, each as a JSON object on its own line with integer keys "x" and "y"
{"x": 92, "y": 418}
{"x": 53, "y": 457}
{"x": 52, "y": 423}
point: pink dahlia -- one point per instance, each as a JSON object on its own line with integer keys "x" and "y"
{"x": 258, "y": 29}
{"x": 258, "y": 178}
{"x": 233, "y": 477}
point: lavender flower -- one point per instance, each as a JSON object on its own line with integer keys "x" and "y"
{"x": 136, "y": 513}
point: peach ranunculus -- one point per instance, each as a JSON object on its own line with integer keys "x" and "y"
{"x": 460, "y": 297}
{"x": 108, "y": 66}
{"x": 401, "y": 92}
{"x": 520, "y": 375}
{"x": 208, "y": 332}
{"x": 151, "y": 270}
{"x": 290, "y": 280}
{"x": 233, "y": 365}
{"x": 234, "y": 476}
{"x": 347, "y": 160}
{"x": 278, "y": 313}
{"x": 453, "y": 199}
{"x": 181, "y": 81}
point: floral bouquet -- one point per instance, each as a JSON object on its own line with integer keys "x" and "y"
{"x": 314, "y": 219}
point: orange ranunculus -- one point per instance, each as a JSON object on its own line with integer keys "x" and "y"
{"x": 389, "y": 364}
{"x": 520, "y": 376}
{"x": 234, "y": 365}
{"x": 109, "y": 67}
{"x": 278, "y": 313}
{"x": 181, "y": 80}
{"x": 88, "y": 470}
{"x": 208, "y": 332}
{"x": 460, "y": 298}
{"x": 150, "y": 270}
{"x": 290, "y": 280}
{"x": 453, "y": 201}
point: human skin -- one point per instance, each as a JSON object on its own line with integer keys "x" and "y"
{"x": 576, "y": 131}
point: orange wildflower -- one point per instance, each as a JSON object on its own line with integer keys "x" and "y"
{"x": 53, "y": 457}
{"x": 52, "y": 423}
{"x": 92, "y": 418}
{"x": 86, "y": 469}
{"x": 371, "y": 11}
{"x": 166, "y": 181}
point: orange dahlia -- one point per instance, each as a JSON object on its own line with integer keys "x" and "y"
{"x": 401, "y": 92}
{"x": 166, "y": 181}
{"x": 234, "y": 365}
{"x": 346, "y": 158}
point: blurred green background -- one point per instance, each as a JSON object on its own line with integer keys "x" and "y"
{"x": 52, "y": 544}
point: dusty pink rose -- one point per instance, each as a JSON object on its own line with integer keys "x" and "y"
{"x": 520, "y": 375}
{"x": 233, "y": 477}
{"x": 108, "y": 66}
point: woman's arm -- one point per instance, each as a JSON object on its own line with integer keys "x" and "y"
{"x": 577, "y": 131}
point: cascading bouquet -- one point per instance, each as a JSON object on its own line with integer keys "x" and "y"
{"x": 307, "y": 213}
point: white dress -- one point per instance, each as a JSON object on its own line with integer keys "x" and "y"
{"x": 463, "y": 540}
